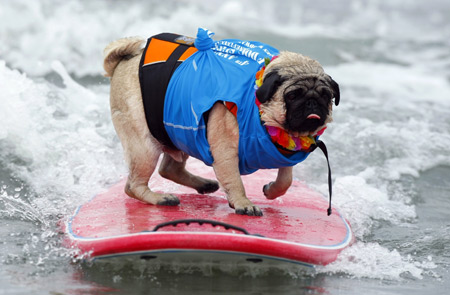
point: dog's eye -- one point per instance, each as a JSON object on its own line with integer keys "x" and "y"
{"x": 325, "y": 93}
{"x": 291, "y": 96}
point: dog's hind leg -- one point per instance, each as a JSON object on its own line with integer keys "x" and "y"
{"x": 141, "y": 150}
{"x": 142, "y": 164}
{"x": 141, "y": 169}
{"x": 176, "y": 171}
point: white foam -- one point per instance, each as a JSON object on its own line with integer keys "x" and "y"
{"x": 370, "y": 260}
{"x": 362, "y": 203}
{"x": 63, "y": 136}
{"x": 400, "y": 86}
{"x": 76, "y": 33}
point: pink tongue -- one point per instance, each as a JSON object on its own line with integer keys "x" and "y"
{"x": 313, "y": 116}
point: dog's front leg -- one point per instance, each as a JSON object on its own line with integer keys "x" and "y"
{"x": 223, "y": 138}
{"x": 280, "y": 185}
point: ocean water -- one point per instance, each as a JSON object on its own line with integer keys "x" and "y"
{"x": 389, "y": 142}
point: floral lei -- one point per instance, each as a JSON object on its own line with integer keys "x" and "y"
{"x": 279, "y": 136}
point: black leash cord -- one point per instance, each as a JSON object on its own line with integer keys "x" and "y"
{"x": 323, "y": 147}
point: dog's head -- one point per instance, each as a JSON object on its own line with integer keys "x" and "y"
{"x": 297, "y": 95}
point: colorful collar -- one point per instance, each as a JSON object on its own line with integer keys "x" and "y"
{"x": 286, "y": 143}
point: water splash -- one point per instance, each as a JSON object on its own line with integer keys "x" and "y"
{"x": 371, "y": 260}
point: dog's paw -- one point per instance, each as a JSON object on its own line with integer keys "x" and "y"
{"x": 270, "y": 191}
{"x": 247, "y": 209}
{"x": 266, "y": 190}
{"x": 169, "y": 200}
{"x": 267, "y": 193}
{"x": 250, "y": 211}
{"x": 209, "y": 187}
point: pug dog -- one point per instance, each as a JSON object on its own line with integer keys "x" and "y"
{"x": 296, "y": 96}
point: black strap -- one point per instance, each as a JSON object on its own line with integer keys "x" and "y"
{"x": 320, "y": 144}
{"x": 154, "y": 79}
{"x": 214, "y": 223}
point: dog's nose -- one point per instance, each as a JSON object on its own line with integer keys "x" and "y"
{"x": 311, "y": 103}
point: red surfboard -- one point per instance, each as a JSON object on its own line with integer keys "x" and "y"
{"x": 295, "y": 227}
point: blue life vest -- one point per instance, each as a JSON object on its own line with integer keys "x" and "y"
{"x": 222, "y": 71}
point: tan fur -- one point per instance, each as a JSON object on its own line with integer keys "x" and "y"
{"x": 290, "y": 64}
{"x": 118, "y": 50}
{"x": 274, "y": 112}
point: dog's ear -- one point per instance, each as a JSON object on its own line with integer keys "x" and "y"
{"x": 336, "y": 91}
{"x": 270, "y": 85}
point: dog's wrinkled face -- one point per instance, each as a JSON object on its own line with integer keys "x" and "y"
{"x": 297, "y": 95}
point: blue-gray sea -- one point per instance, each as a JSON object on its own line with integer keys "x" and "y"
{"x": 389, "y": 143}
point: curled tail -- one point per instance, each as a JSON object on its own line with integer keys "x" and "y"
{"x": 120, "y": 49}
